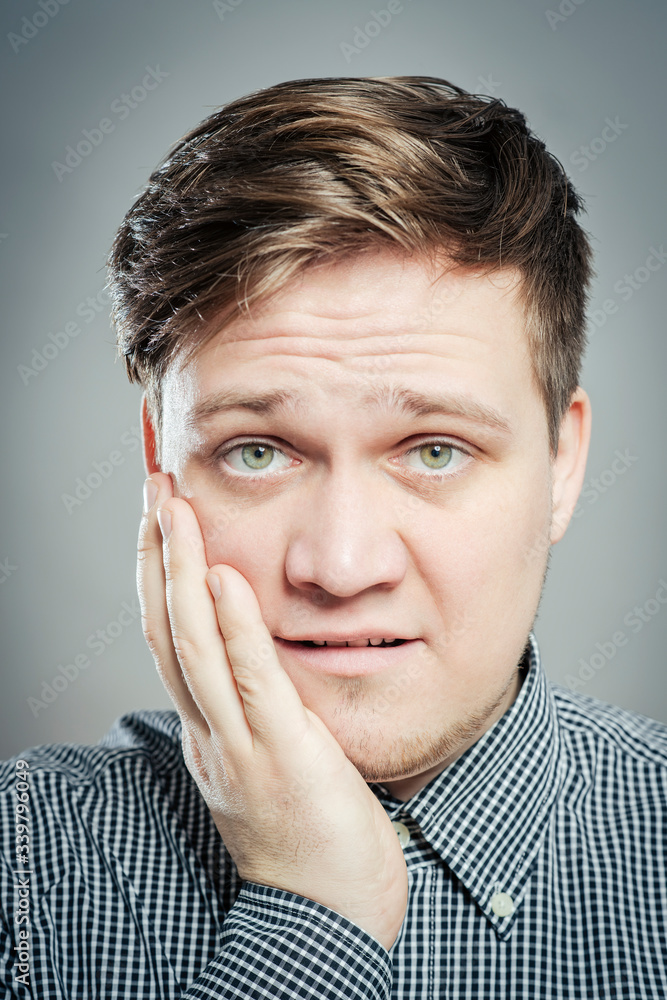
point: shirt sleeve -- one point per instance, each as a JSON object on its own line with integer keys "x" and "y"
{"x": 282, "y": 946}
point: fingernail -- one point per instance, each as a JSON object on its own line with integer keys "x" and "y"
{"x": 213, "y": 581}
{"x": 150, "y": 494}
{"x": 164, "y": 520}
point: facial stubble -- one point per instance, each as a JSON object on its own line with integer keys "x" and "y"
{"x": 408, "y": 755}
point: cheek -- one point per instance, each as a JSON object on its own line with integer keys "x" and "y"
{"x": 239, "y": 537}
{"x": 487, "y": 554}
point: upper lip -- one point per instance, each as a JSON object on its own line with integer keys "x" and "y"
{"x": 373, "y": 633}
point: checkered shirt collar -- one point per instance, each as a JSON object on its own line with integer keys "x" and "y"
{"x": 487, "y": 813}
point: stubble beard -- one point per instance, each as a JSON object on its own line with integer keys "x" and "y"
{"x": 409, "y": 755}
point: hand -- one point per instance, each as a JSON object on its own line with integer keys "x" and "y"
{"x": 292, "y": 810}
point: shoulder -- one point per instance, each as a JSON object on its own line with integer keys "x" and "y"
{"x": 141, "y": 750}
{"x": 588, "y": 722}
{"x": 152, "y": 737}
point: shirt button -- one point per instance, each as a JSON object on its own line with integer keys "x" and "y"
{"x": 402, "y": 831}
{"x": 502, "y": 904}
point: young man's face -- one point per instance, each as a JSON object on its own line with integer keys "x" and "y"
{"x": 353, "y": 511}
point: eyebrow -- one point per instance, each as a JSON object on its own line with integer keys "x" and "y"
{"x": 388, "y": 398}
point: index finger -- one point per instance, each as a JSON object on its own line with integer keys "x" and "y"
{"x": 200, "y": 656}
{"x": 151, "y": 587}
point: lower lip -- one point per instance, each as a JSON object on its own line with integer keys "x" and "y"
{"x": 348, "y": 661}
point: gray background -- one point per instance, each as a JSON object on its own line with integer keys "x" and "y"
{"x": 67, "y": 574}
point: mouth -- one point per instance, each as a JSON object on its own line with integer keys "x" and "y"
{"x": 355, "y": 643}
{"x": 343, "y": 658}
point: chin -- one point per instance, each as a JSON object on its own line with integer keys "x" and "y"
{"x": 378, "y": 759}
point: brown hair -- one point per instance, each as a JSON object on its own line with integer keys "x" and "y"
{"x": 290, "y": 175}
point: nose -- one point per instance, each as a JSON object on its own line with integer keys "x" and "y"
{"x": 346, "y": 540}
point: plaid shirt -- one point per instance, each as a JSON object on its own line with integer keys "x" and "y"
{"x": 536, "y": 866}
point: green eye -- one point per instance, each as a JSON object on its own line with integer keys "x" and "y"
{"x": 436, "y": 456}
{"x": 257, "y": 456}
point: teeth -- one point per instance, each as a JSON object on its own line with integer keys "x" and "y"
{"x": 352, "y": 642}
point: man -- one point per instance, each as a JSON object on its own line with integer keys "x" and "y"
{"x": 357, "y": 311}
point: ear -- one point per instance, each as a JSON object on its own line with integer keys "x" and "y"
{"x": 569, "y": 465}
{"x": 148, "y": 436}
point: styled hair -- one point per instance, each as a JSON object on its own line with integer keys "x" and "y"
{"x": 310, "y": 170}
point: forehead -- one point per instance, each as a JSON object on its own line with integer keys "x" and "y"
{"x": 356, "y": 326}
{"x": 380, "y": 293}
